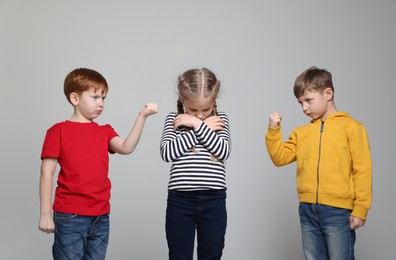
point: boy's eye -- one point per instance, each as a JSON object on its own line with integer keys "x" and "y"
{"x": 98, "y": 97}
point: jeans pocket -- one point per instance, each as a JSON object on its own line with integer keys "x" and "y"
{"x": 64, "y": 216}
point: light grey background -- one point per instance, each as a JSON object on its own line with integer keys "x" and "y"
{"x": 256, "y": 48}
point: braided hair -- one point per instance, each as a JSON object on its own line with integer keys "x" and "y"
{"x": 196, "y": 83}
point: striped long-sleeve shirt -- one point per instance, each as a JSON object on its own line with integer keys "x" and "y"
{"x": 197, "y": 156}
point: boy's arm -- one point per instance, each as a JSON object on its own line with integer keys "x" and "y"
{"x": 46, "y": 222}
{"x": 280, "y": 153}
{"x": 361, "y": 171}
{"x": 127, "y": 146}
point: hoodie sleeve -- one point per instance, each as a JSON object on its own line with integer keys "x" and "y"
{"x": 280, "y": 153}
{"x": 361, "y": 170}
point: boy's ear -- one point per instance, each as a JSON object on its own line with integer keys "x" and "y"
{"x": 329, "y": 93}
{"x": 74, "y": 98}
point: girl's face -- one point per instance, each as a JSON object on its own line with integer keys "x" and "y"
{"x": 200, "y": 107}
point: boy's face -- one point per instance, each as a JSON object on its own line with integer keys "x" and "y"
{"x": 315, "y": 104}
{"x": 200, "y": 107}
{"x": 89, "y": 104}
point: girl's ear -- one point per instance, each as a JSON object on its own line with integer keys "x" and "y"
{"x": 329, "y": 93}
{"x": 74, "y": 98}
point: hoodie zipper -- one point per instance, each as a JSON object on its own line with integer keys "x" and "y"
{"x": 317, "y": 169}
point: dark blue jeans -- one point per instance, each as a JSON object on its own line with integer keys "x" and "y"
{"x": 80, "y": 237}
{"x": 326, "y": 233}
{"x": 201, "y": 211}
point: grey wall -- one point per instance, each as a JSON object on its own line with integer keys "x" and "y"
{"x": 256, "y": 48}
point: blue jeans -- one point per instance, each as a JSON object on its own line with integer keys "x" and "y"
{"x": 201, "y": 211}
{"x": 80, "y": 237}
{"x": 326, "y": 233}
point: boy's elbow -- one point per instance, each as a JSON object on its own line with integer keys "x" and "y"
{"x": 125, "y": 151}
{"x": 277, "y": 163}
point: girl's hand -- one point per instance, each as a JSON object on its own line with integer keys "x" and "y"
{"x": 355, "y": 222}
{"x": 149, "y": 109}
{"x": 186, "y": 120}
{"x": 215, "y": 123}
{"x": 275, "y": 119}
{"x": 46, "y": 224}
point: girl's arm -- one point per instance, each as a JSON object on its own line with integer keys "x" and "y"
{"x": 46, "y": 222}
{"x": 127, "y": 146}
{"x": 175, "y": 145}
{"x": 218, "y": 142}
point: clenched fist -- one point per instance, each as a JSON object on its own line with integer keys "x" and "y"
{"x": 149, "y": 109}
{"x": 275, "y": 119}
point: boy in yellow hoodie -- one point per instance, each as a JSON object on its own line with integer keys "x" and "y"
{"x": 334, "y": 171}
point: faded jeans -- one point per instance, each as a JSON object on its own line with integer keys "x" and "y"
{"x": 326, "y": 234}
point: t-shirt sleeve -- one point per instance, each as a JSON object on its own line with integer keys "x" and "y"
{"x": 51, "y": 145}
{"x": 111, "y": 134}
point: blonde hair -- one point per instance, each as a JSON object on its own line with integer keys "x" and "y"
{"x": 196, "y": 83}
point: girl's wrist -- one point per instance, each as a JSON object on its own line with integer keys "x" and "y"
{"x": 197, "y": 124}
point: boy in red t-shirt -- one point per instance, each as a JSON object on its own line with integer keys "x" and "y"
{"x": 81, "y": 147}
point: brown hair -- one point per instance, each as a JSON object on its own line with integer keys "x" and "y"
{"x": 313, "y": 79}
{"x": 195, "y": 83}
{"x": 82, "y": 79}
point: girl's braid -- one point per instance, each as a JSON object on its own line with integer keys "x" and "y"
{"x": 180, "y": 107}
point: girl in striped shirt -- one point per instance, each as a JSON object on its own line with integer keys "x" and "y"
{"x": 196, "y": 139}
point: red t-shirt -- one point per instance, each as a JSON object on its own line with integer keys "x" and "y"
{"x": 82, "y": 150}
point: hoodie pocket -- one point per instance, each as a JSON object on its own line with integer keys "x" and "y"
{"x": 307, "y": 175}
{"x": 333, "y": 180}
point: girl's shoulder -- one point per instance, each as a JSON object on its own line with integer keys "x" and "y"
{"x": 223, "y": 115}
{"x": 172, "y": 114}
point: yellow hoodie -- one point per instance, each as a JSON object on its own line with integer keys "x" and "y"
{"x": 333, "y": 161}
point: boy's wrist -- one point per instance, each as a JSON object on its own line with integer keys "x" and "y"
{"x": 142, "y": 115}
{"x": 273, "y": 128}
{"x": 46, "y": 214}
{"x": 359, "y": 212}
